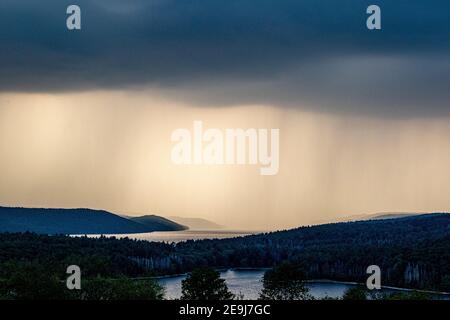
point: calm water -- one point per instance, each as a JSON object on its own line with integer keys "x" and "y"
{"x": 248, "y": 283}
{"x": 177, "y": 236}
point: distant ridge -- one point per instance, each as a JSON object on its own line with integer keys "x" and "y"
{"x": 198, "y": 224}
{"x": 380, "y": 216}
{"x": 74, "y": 221}
{"x": 393, "y": 215}
{"x": 163, "y": 224}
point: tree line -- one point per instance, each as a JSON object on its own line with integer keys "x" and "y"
{"x": 411, "y": 252}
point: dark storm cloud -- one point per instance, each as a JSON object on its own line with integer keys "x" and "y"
{"x": 307, "y": 53}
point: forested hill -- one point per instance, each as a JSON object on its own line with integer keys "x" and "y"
{"x": 76, "y": 221}
{"x": 411, "y": 252}
{"x": 396, "y": 232}
{"x": 157, "y": 223}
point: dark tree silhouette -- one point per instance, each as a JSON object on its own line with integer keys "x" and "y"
{"x": 205, "y": 284}
{"x": 121, "y": 289}
{"x": 355, "y": 293}
{"x": 31, "y": 281}
{"x": 285, "y": 282}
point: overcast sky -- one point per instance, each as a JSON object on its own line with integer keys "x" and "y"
{"x": 86, "y": 116}
{"x": 294, "y": 53}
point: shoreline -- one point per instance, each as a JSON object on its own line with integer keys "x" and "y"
{"x": 308, "y": 281}
{"x": 382, "y": 287}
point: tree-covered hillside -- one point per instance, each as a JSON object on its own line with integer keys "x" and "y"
{"x": 78, "y": 221}
{"x": 156, "y": 223}
{"x": 412, "y": 252}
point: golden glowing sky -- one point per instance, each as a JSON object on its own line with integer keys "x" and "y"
{"x": 111, "y": 150}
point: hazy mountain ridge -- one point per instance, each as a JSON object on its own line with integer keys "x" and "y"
{"x": 197, "y": 223}
{"x": 75, "y": 221}
{"x": 162, "y": 223}
{"x": 377, "y": 216}
{"x": 394, "y": 215}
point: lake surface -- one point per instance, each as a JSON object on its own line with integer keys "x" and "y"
{"x": 248, "y": 283}
{"x": 178, "y": 236}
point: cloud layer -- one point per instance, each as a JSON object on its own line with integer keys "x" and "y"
{"x": 292, "y": 53}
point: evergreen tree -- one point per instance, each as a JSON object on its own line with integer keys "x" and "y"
{"x": 205, "y": 284}
{"x": 355, "y": 293}
{"x": 121, "y": 289}
{"x": 285, "y": 282}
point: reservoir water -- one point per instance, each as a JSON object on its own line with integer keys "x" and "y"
{"x": 178, "y": 236}
{"x": 247, "y": 283}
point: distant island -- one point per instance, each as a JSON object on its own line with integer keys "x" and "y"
{"x": 79, "y": 221}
